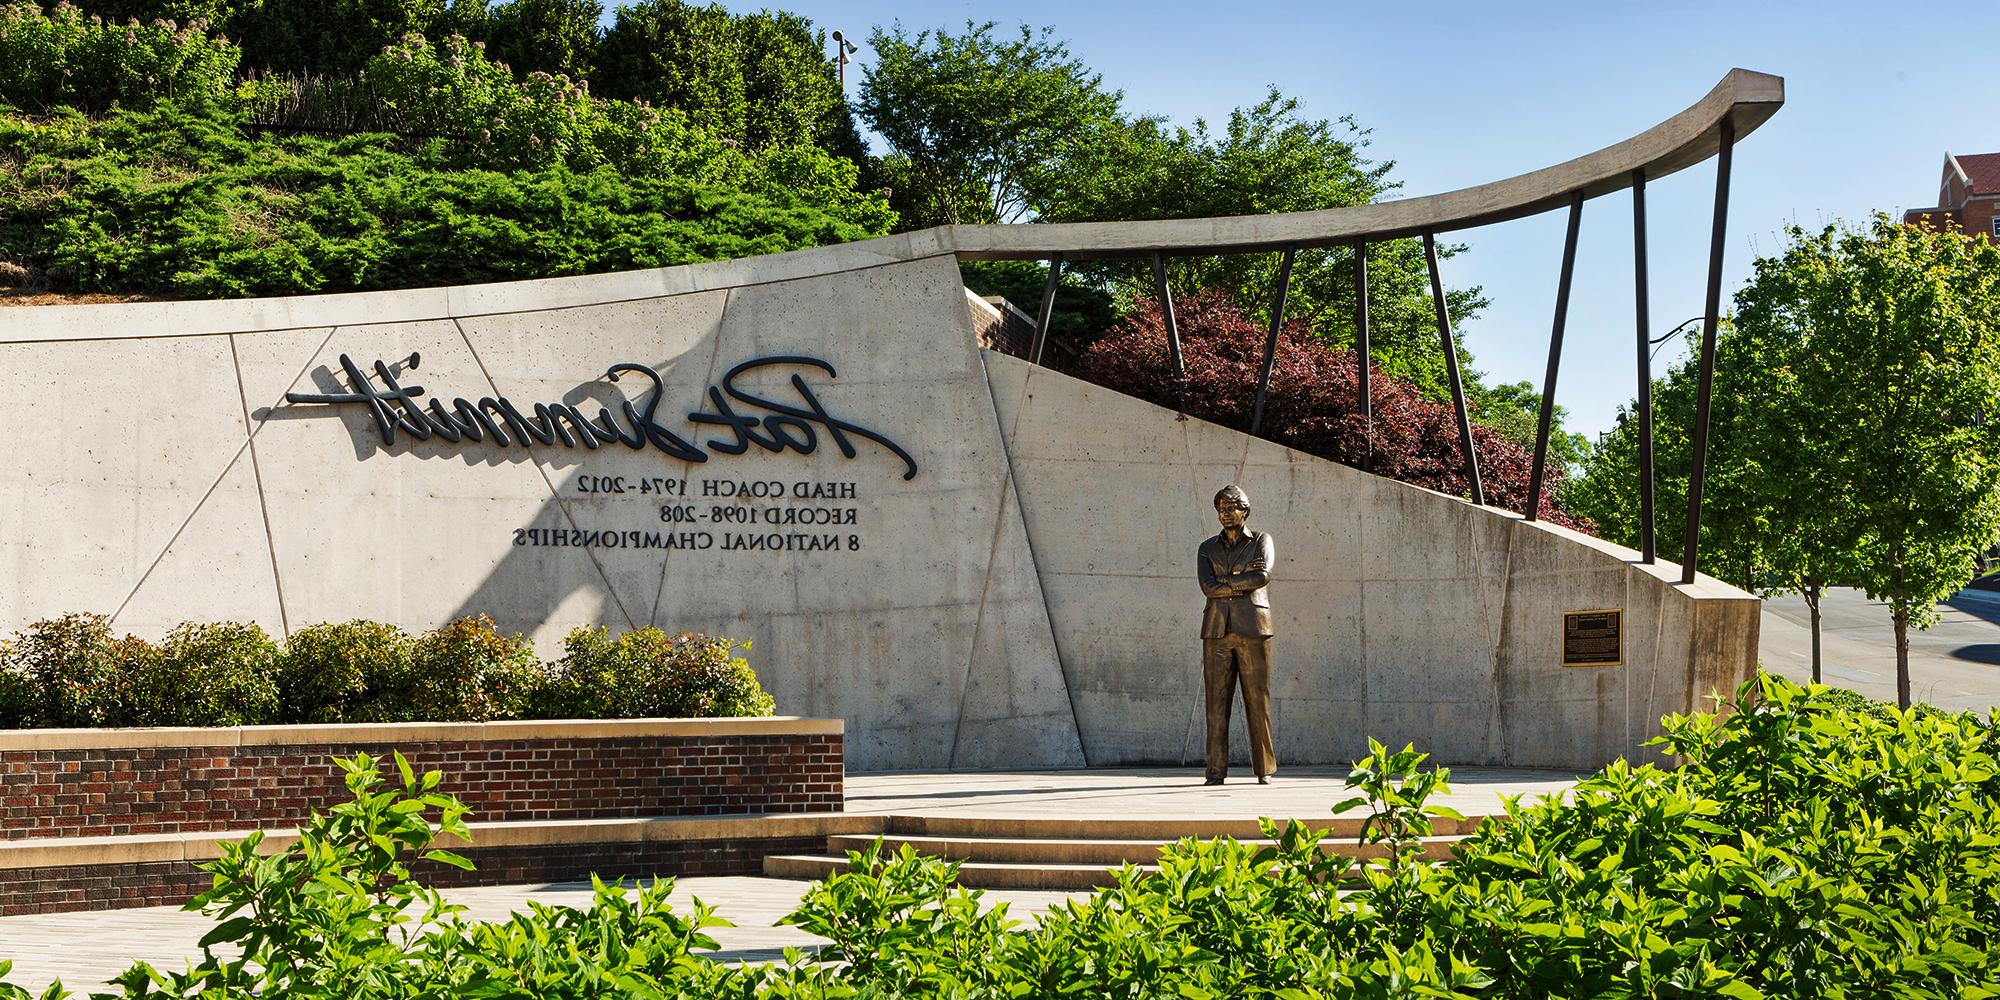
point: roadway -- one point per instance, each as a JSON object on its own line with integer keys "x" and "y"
{"x": 1955, "y": 664}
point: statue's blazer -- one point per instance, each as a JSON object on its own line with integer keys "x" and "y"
{"x": 975, "y": 562}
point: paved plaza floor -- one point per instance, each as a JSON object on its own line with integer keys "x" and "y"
{"x": 1163, "y": 793}
{"x": 84, "y": 949}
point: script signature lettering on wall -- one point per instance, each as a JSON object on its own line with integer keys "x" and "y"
{"x": 771, "y": 425}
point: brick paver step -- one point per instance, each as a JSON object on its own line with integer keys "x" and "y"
{"x": 1069, "y": 851}
{"x": 978, "y": 875}
{"x": 1157, "y": 829}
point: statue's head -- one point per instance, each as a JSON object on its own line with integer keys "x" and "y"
{"x": 1232, "y": 506}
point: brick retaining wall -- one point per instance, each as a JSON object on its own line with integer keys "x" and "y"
{"x": 84, "y": 783}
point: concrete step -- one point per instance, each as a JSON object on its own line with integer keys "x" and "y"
{"x": 973, "y": 874}
{"x": 1064, "y": 851}
{"x": 1158, "y": 830}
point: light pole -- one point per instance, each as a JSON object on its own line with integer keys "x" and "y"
{"x": 842, "y": 49}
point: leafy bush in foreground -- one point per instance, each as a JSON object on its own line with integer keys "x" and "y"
{"x": 345, "y": 913}
{"x": 1805, "y": 849}
{"x": 73, "y": 671}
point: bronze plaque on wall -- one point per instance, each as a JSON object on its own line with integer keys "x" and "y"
{"x": 1593, "y": 638}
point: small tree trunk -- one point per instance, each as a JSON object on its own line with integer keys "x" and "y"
{"x": 1811, "y": 593}
{"x": 1901, "y": 615}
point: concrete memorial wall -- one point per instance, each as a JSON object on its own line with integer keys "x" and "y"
{"x": 973, "y": 562}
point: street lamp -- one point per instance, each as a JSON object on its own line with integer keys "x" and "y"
{"x": 842, "y": 48}
{"x": 1678, "y": 329}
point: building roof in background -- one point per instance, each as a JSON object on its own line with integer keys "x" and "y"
{"x": 1982, "y": 170}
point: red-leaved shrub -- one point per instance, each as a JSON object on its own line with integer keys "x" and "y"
{"x": 1314, "y": 402}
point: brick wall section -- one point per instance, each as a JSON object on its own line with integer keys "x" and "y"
{"x": 171, "y": 883}
{"x": 119, "y": 791}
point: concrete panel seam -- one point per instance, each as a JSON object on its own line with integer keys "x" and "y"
{"x": 176, "y": 536}
{"x": 714, "y": 352}
{"x": 277, "y": 578}
{"x": 257, "y": 473}
{"x": 1626, "y": 615}
{"x": 1659, "y": 633}
{"x": 1689, "y": 673}
{"x": 1243, "y": 464}
{"x": 249, "y": 435}
{"x": 1013, "y": 486}
{"x": 1198, "y": 691}
{"x": 986, "y": 587}
{"x": 985, "y": 596}
{"x": 543, "y": 471}
{"x": 1496, "y": 720}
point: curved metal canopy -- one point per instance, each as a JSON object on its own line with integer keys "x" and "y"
{"x": 1744, "y": 97}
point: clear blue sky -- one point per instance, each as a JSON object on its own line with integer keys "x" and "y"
{"x": 1462, "y": 93}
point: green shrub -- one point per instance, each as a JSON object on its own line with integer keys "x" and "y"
{"x": 17, "y": 692}
{"x": 73, "y": 671}
{"x": 65, "y": 58}
{"x": 451, "y": 88}
{"x": 179, "y": 204}
{"x": 205, "y": 675}
{"x": 649, "y": 673}
{"x": 77, "y": 669}
{"x": 333, "y": 673}
{"x": 467, "y": 671}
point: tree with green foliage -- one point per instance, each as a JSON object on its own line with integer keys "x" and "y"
{"x": 557, "y": 37}
{"x": 1798, "y": 482}
{"x": 1736, "y": 510}
{"x": 215, "y": 13}
{"x": 1514, "y": 409}
{"x": 340, "y": 36}
{"x": 676, "y": 55}
{"x": 982, "y": 126}
{"x": 1850, "y": 438}
{"x": 760, "y": 80}
{"x": 1899, "y": 369}
{"x": 1269, "y": 158}
{"x": 1773, "y": 517}
{"x": 1087, "y": 162}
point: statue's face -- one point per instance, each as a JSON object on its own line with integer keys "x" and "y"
{"x": 1231, "y": 515}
